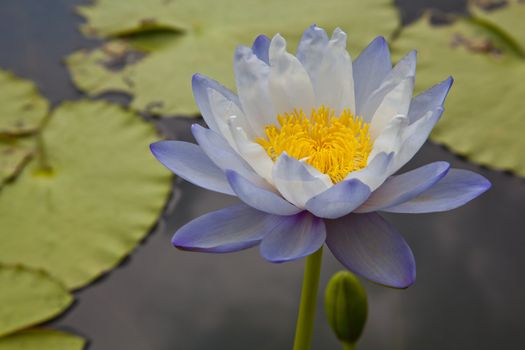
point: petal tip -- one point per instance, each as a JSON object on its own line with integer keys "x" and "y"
{"x": 155, "y": 147}
{"x": 406, "y": 282}
{"x": 178, "y": 243}
{"x": 261, "y": 38}
{"x": 380, "y": 40}
{"x": 442, "y": 166}
{"x": 485, "y": 184}
{"x": 242, "y": 52}
{"x": 277, "y": 45}
{"x": 197, "y": 80}
{"x": 197, "y": 130}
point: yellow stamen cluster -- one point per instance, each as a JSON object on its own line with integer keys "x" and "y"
{"x": 335, "y": 145}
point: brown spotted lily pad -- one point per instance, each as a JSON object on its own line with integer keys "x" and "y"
{"x": 484, "y": 117}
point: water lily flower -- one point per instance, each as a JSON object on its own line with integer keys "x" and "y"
{"x": 310, "y": 145}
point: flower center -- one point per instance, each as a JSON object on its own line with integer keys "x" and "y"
{"x": 335, "y": 145}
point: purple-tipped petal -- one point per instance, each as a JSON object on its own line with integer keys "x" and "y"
{"x": 425, "y": 111}
{"x": 311, "y": 46}
{"x": 369, "y": 69}
{"x": 226, "y": 230}
{"x": 413, "y": 137}
{"x": 457, "y": 188}
{"x": 293, "y": 238}
{"x": 260, "y": 48}
{"x": 188, "y": 161}
{"x": 222, "y": 154}
{"x": 429, "y": 100}
{"x": 329, "y": 66}
{"x": 339, "y": 200}
{"x": 259, "y": 197}
{"x": 201, "y": 85}
{"x": 369, "y": 246}
{"x": 404, "y": 187}
{"x": 383, "y": 104}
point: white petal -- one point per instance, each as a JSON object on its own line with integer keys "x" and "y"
{"x": 414, "y": 136}
{"x": 251, "y": 76}
{"x": 298, "y": 181}
{"x": 341, "y": 73}
{"x": 330, "y": 68}
{"x": 289, "y": 84}
{"x": 375, "y": 173}
{"x": 224, "y": 156}
{"x": 391, "y": 137}
{"x": 396, "y": 102}
{"x": 223, "y": 109}
{"x": 404, "y": 69}
{"x": 252, "y": 152}
{"x": 310, "y": 51}
{"x": 216, "y": 104}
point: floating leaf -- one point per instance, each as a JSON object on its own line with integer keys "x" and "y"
{"x": 508, "y": 19}
{"x": 102, "y": 194}
{"x": 160, "y": 82}
{"x": 22, "y": 109}
{"x": 41, "y": 339}
{"x": 13, "y": 157}
{"x": 28, "y": 297}
{"x": 114, "y": 18}
{"x": 485, "y": 111}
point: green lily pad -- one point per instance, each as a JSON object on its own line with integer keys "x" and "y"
{"x": 41, "y": 339}
{"x": 13, "y": 157}
{"x": 160, "y": 81}
{"x": 114, "y": 18}
{"x": 103, "y": 70}
{"x": 484, "y": 115}
{"x": 102, "y": 192}
{"x": 28, "y": 297}
{"x": 22, "y": 108}
{"x": 509, "y": 19}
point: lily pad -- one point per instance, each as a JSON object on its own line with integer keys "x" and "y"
{"x": 13, "y": 157}
{"x": 41, "y": 339}
{"x": 28, "y": 297}
{"x": 484, "y": 117}
{"x": 22, "y": 108}
{"x": 160, "y": 82}
{"x": 509, "y": 19}
{"x": 100, "y": 194}
{"x": 114, "y": 18}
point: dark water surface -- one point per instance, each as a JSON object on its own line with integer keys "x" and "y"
{"x": 470, "y": 288}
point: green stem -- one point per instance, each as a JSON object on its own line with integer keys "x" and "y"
{"x": 349, "y": 346}
{"x": 305, "y": 320}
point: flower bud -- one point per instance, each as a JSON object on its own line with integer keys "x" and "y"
{"x": 346, "y": 306}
